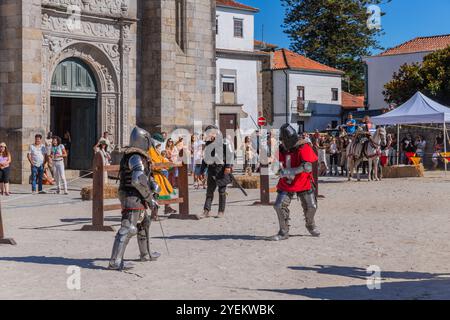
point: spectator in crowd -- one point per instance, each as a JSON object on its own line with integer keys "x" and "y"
{"x": 420, "y": 144}
{"x": 191, "y": 154}
{"x": 102, "y": 147}
{"x": 48, "y": 145}
{"x": 436, "y": 158}
{"x": 334, "y": 156}
{"x": 409, "y": 149}
{"x": 249, "y": 154}
{"x": 5, "y": 162}
{"x": 392, "y": 151}
{"x": 199, "y": 179}
{"x": 161, "y": 175}
{"x": 322, "y": 150}
{"x": 439, "y": 142}
{"x": 37, "y": 158}
{"x": 164, "y": 142}
{"x": 350, "y": 125}
{"x": 67, "y": 142}
{"x": 105, "y": 140}
{"x": 57, "y": 154}
{"x": 172, "y": 154}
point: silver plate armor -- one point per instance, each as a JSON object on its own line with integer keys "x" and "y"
{"x": 140, "y": 181}
{"x": 141, "y": 139}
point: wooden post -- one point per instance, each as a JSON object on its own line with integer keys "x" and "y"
{"x": 97, "y": 196}
{"x": 316, "y": 172}
{"x": 183, "y": 190}
{"x": 4, "y": 240}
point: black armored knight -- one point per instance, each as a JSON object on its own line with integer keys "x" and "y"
{"x": 218, "y": 161}
{"x": 136, "y": 193}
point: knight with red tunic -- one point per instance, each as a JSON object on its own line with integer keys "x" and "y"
{"x": 296, "y": 157}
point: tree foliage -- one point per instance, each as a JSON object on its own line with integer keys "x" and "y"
{"x": 333, "y": 32}
{"x": 432, "y": 78}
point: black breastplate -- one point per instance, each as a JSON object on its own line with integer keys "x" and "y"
{"x": 126, "y": 174}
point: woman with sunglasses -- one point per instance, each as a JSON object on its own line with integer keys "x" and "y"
{"x": 5, "y": 161}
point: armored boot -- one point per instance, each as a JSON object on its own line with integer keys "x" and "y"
{"x": 309, "y": 204}
{"x": 123, "y": 236}
{"x": 143, "y": 239}
{"x": 282, "y": 209}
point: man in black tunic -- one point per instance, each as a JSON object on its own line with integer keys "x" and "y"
{"x": 218, "y": 161}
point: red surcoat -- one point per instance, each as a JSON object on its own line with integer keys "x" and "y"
{"x": 302, "y": 181}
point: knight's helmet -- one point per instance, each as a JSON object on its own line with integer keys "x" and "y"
{"x": 141, "y": 139}
{"x": 288, "y": 136}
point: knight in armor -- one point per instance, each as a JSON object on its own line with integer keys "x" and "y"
{"x": 218, "y": 163}
{"x": 137, "y": 192}
{"x": 296, "y": 158}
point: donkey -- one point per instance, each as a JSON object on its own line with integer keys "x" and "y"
{"x": 369, "y": 150}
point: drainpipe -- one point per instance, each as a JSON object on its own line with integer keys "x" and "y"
{"x": 287, "y": 95}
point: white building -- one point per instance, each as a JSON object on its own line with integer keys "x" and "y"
{"x": 305, "y": 93}
{"x": 381, "y": 68}
{"x": 238, "y": 83}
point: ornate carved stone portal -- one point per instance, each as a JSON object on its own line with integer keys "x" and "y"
{"x": 98, "y": 33}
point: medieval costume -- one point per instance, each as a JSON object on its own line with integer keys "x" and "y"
{"x": 136, "y": 194}
{"x": 296, "y": 158}
{"x": 160, "y": 175}
{"x": 218, "y": 160}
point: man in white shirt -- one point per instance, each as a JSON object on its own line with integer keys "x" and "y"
{"x": 37, "y": 156}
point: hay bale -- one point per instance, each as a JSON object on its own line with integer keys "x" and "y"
{"x": 247, "y": 182}
{"x": 403, "y": 172}
{"x": 109, "y": 192}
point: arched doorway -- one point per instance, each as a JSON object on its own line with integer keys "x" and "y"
{"x": 73, "y": 106}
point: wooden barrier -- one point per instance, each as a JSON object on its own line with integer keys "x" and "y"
{"x": 4, "y": 240}
{"x": 99, "y": 208}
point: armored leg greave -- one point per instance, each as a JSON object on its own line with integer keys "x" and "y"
{"x": 282, "y": 209}
{"x": 309, "y": 204}
{"x": 143, "y": 238}
{"x": 123, "y": 236}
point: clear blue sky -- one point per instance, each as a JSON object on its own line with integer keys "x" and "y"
{"x": 404, "y": 20}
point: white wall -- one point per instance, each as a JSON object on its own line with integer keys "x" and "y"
{"x": 225, "y": 37}
{"x": 381, "y": 70}
{"x": 246, "y": 87}
{"x": 317, "y": 88}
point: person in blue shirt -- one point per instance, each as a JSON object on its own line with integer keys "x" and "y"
{"x": 350, "y": 125}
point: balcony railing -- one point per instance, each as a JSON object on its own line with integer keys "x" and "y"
{"x": 302, "y": 108}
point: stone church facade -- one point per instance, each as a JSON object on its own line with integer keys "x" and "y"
{"x": 89, "y": 66}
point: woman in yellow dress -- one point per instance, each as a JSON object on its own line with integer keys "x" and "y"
{"x": 160, "y": 175}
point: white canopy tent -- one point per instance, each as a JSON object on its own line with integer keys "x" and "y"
{"x": 419, "y": 109}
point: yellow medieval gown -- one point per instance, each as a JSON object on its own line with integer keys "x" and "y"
{"x": 158, "y": 175}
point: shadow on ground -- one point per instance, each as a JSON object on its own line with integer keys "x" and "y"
{"x": 219, "y": 237}
{"x": 421, "y": 285}
{"x": 58, "y": 261}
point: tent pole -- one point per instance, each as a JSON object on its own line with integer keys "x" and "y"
{"x": 398, "y": 144}
{"x": 445, "y": 146}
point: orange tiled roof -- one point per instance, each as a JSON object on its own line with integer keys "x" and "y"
{"x": 420, "y": 44}
{"x": 350, "y": 101}
{"x": 234, "y": 4}
{"x": 286, "y": 59}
